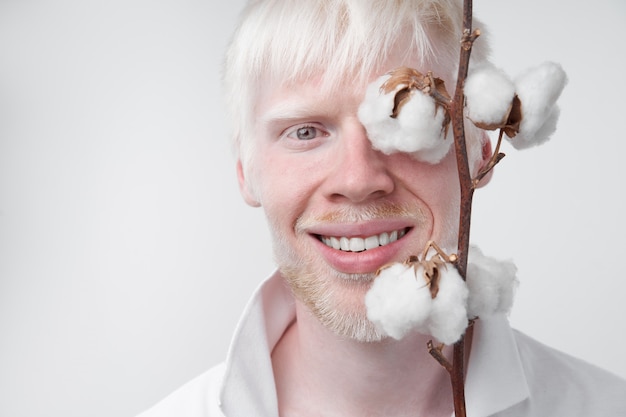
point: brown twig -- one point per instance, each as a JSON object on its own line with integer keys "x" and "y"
{"x": 495, "y": 158}
{"x": 466, "y": 182}
{"x": 437, "y": 353}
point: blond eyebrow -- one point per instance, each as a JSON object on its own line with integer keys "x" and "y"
{"x": 287, "y": 111}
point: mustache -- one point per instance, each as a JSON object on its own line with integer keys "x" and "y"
{"x": 351, "y": 214}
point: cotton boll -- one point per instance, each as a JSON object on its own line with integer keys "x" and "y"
{"x": 399, "y": 300}
{"x": 448, "y": 316}
{"x": 489, "y": 93}
{"x": 538, "y": 89}
{"x": 417, "y": 129}
{"x": 491, "y": 284}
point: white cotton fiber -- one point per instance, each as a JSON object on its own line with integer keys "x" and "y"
{"x": 374, "y": 112}
{"x": 489, "y": 93}
{"x": 448, "y": 317}
{"x": 418, "y": 128}
{"x": 538, "y": 89}
{"x": 541, "y": 135}
{"x": 420, "y": 131}
{"x": 399, "y": 300}
{"x": 491, "y": 284}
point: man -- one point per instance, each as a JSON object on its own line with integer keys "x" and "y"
{"x": 295, "y": 76}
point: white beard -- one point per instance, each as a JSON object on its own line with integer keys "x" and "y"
{"x": 328, "y": 305}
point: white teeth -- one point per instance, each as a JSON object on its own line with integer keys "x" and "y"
{"x": 371, "y": 242}
{"x": 359, "y": 244}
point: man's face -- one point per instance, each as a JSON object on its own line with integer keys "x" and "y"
{"x": 339, "y": 210}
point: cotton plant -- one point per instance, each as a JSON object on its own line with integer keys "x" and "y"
{"x": 405, "y": 110}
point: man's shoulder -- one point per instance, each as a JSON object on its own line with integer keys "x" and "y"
{"x": 197, "y": 398}
{"x": 561, "y": 384}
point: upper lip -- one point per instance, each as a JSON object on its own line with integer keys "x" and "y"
{"x": 365, "y": 229}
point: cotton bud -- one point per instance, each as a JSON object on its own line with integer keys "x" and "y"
{"x": 491, "y": 284}
{"x": 489, "y": 96}
{"x": 418, "y": 128}
{"x": 399, "y": 300}
{"x": 538, "y": 90}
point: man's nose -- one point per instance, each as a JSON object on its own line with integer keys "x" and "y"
{"x": 360, "y": 173}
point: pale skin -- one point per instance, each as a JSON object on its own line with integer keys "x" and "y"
{"x": 312, "y": 158}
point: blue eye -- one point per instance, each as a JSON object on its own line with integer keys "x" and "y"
{"x": 306, "y": 133}
{"x": 305, "y": 136}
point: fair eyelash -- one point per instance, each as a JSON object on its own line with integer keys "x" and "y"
{"x": 295, "y": 129}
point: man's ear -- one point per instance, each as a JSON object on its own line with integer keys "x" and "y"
{"x": 244, "y": 188}
{"x": 485, "y": 156}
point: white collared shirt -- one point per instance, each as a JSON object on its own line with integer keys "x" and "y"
{"x": 508, "y": 374}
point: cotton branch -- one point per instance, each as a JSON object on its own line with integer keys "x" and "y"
{"x": 458, "y": 128}
{"x": 466, "y": 182}
{"x": 407, "y": 111}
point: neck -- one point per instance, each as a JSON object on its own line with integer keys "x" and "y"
{"x": 319, "y": 373}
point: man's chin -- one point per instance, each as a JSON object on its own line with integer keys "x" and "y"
{"x": 357, "y": 328}
{"x": 354, "y": 278}
{"x": 337, "y": 300}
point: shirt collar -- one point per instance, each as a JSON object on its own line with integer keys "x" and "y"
{"x": 248, "y": 387}
{"x": 495, "y": 376}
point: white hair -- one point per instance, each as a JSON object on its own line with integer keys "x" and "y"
{"x": 291, "y": 40}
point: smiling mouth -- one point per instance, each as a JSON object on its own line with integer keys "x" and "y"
{"x": 360, "y": 244}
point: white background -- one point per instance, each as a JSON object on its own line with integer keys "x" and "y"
{"x": 126, "y": 253}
